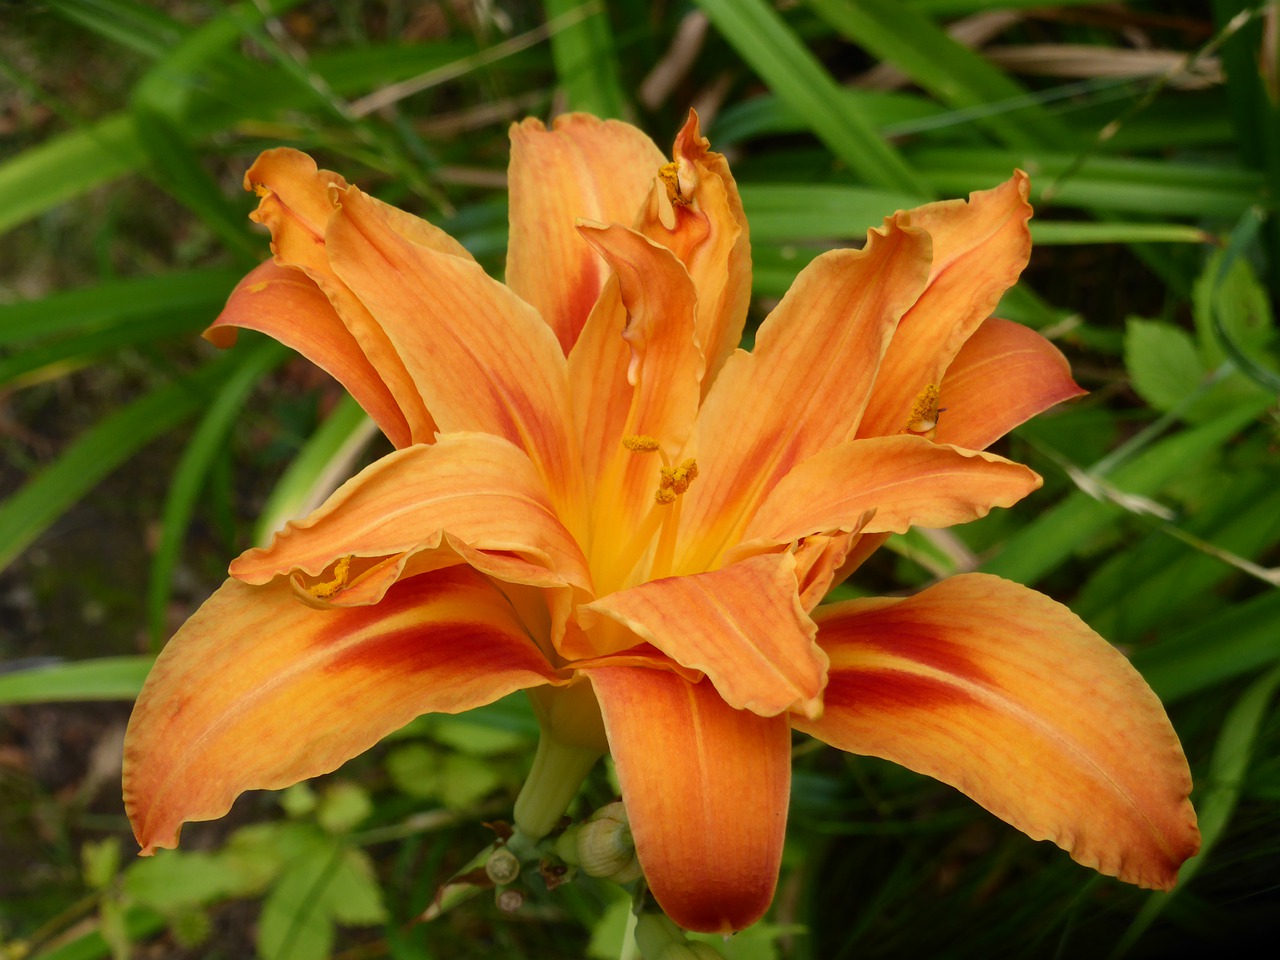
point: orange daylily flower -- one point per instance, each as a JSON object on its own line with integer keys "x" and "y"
{"x": 597, "y": 498}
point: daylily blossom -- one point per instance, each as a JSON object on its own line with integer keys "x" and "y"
{"x": 597, "y": 497}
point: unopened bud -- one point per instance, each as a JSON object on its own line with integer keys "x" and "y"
{"x": 509, "y": 900}
{"x": 502, "y": 867}
{"x": 606, "y": 848}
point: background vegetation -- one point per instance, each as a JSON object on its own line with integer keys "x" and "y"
{"x": 135, "y": 461}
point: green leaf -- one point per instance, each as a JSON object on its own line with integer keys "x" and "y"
{"x": 325, "y": 461}
{"x": 100, "y": 861}
{"x": 415, "y": 770}
{"x": 1072, "y": 232}
{"x": 193, "y": 470}
{"x": 1162, "y": 361}
{"x": 1041, "y": 546}
{"x": 582, "y": 49}
{"x": 104, "y": 678}
{"x": 125, "y": 22}
{"x": 294, "y": 924}
{"x": 1239, "y": 641}
{"x": 796, "y": 212}
{"x": 99, "y": 450}
{"x": 353, "y": 895}
{"x": 173, "y": 879}
{"x": 1238, "y": 302}
{"x": 343, "y": 806}
{"x": 792, "y": 72}
{"x": 897, "y": 34}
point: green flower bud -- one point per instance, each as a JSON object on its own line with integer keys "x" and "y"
{"x": 502, "y": 867}
{"x": 605, "y": 847}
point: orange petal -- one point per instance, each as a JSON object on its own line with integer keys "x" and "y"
{"x": 475, "y": 486}
{"x": 804, "y": 386}
{"x": 698, "y": 215}
{"x": 1004, "y": 375}
{"x": 1008, "y": 696}
{"x": 257, "y": 691}
{"x": 284, "y": 304}
{"x": 582, "y": 167}
{"x": 742, "y": 625}
{"x": 907, "y": 481}
{"x": 666, "y": 362}
{"x": 295, "y": 204}
{"x": 706, "y": 789}
{"x": 979, "y": 250}
{"x": 481, "y": 357}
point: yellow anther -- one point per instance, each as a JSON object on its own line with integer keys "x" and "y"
{"x": 664, "y": 496}
{"x": 676, "y": 480}
{"x": 923, "y": 418}
{"x": 640, "y": 443}
{"x": 341, "y": 573}
{"x": 669, "y": 174}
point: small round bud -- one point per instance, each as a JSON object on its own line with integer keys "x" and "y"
{"x": 503, "y": 866}
{"x": 509, "y": 900}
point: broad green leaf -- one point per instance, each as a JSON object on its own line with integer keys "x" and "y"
{"x": 100, "y": 862}
{"x": 897, "y": 34}
{"x": 193, "y": 468}
{"x": 415, "y": 769}
{"x": 178, "y": 878}
{"x": 103, "y": 678}
{"x": 582, "y": 49}
{"x": 99, "y": 450}
{"x": 1163, "y": 364}
{"x": 139, "y": 923}
{"x": 343, "y": 805}
{"x": 353, "y": 895}
{"x": 792, "y": 72}
{"x": 294, "y": 924}
{"x": 1235, "y": 305}
{"x": 768, "y": 114}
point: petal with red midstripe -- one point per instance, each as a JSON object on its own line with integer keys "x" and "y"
{"x": 258, "y": 691}
{"x": 1008, "y": 696}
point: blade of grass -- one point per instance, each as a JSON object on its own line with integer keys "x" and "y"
{"x": 113, "y": 304}
{"x": 773, "y": 50}
{"x": 960, "y": 78}
{"x": 1227, "y": 768}
{"x": 130, "y": 24}
{"x": 95, "y": 453}
{"x": 1041, "y": 546}
{"x": 103, "y": 678}
{"x": 192, "y": 470}
{"x": 320, "y": 466}
{"x": 582, "y": 49}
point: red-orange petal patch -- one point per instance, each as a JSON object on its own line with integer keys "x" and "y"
{"x": 1008, "y": 696}
{"x": 742, "y": 625}
{"x": 258, "y": 691}
{"x": 285, "y": 304}
{"x": 581, "y": 168}
{"x": 1004, "y": 375}
{"x": 706, "y": 789}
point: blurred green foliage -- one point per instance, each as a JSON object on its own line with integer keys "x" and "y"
{"x": 135, "y": 461}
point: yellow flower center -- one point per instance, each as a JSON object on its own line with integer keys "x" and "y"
{"x": 923, "y": 419}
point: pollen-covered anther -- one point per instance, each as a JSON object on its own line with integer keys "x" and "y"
{"x": 673, "y": 481}
{"x": 923, "y": 418}
{"x": 341, "y": 575}
{"x": 679, "y": 190}
{"x": 640, "y": 443}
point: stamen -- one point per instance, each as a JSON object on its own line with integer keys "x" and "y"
{"x": 676, "y": 480}
{"x": 923, "y": 418}
{"x": 669, "y": 174}
{"x": 640, "y": 443}
{"x": 327, "y": 588}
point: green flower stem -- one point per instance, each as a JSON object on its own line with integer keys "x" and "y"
{"x": 558, "y": 772}
{"x": 572, "y": 741}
